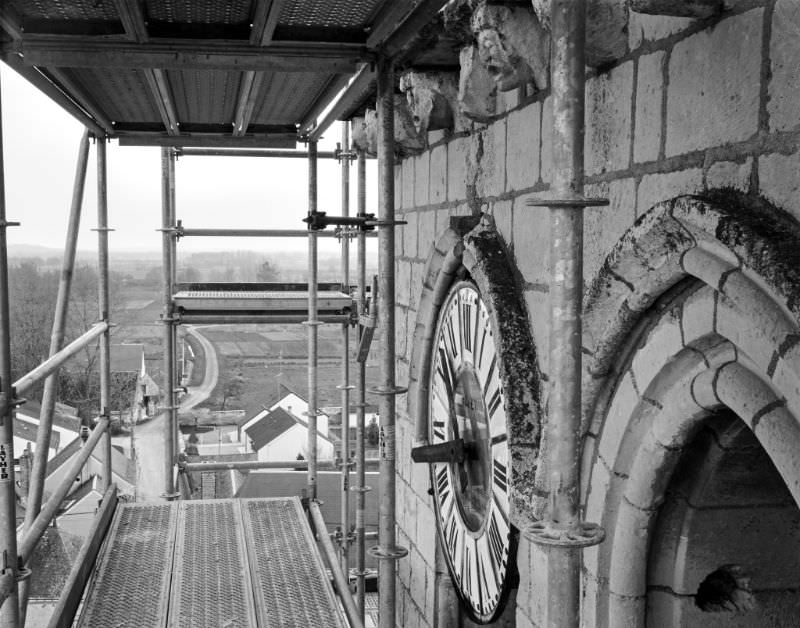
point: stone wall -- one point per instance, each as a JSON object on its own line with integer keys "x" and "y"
{"x": 693, "y": 106}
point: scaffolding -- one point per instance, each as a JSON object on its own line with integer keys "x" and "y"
{"x": 99, "y": 81}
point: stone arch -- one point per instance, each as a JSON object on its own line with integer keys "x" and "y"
{"x": 696, "y": 309}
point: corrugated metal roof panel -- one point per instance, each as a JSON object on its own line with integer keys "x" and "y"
{"x": 286, "y": 96}
{"x": 199, "y": 11}
{"x": 333, "y": 14}
{"x": 122, "y": 94}
{"x": 204, "y": 96}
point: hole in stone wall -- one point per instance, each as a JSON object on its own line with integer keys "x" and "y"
{"x": 726, "y": 589}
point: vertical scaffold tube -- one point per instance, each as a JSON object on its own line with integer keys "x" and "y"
{"x": 103, "y": 304}
{"x": 38, "y": 471}
{"x": 312, "y": 323}
{"x": 361, "y": 398}
{"x": 387, "y": 551}
{"x": 562, "y": 534}
{"x": 9, "y": 613}
{"x": 173, "y": 254}
{"x": 169, "y": 328}
{"x": 345, "y": 386}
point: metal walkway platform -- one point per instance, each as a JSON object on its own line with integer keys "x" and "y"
{"x": 280, "y": 303}
{"x": 233, "y": 563}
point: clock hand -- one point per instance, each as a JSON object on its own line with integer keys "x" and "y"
{"x": 452, "y": 451}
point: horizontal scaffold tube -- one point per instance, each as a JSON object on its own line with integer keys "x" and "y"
{"x": 255, "y": 152}
{"x": 32, "y": 535}
{"x": 350, "y": 608}
{"x": 266, "y": 464}
{"x": 25, "y": 382}
{"x": 261, "y": 233}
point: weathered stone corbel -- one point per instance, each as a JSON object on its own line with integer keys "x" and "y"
{"x": 407, "y": 140}
{"x": 477, "y": 91}
{"x": 678, "y": 8}
{"x": 433, "y": 100}
{"x": 606, "y": 28}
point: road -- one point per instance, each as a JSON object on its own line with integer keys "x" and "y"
{"x": 149, "y": 437}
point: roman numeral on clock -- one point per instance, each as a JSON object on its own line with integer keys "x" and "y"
{"x": 499, "y": 474}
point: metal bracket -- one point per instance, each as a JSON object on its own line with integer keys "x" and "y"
{"x": 361, "y": 489}
{"x": 395, "y": 553}
{"x": 8, "y": 223}
{"x": 103, "y": 229}
{"x": 312, "y": 323}
{"x": 547, "y": 533}
{"x": 347, "y": 154}
{"x": 385, "y": 223}
{"x": 576, "y": 203}
{"x": 318, "y": 221}
{"x": 345, "y": 387}
{"x": 23, "y": 573}
{"x": 388, "y": 391}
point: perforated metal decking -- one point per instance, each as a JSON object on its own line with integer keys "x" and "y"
{"x": 233, "y": 563}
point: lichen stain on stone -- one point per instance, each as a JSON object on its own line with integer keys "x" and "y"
{"x": 519, "y": 369}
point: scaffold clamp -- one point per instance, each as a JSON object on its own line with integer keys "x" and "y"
{"x": 583, "y": 534}
{"x": 394, "y": 553}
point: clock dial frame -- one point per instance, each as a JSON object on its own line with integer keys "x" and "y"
{"x": 471, "y": 496}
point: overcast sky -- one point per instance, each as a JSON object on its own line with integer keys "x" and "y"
{"x": 40, "y": 143}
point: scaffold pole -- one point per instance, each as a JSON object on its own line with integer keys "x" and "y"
{"x": 103, "y": 303}
{"x": 168, "y": 394}
{"x": 387, "y": 551}
{"x": 313, "y": 325}
{"x": 345, "y": 386}
{"x": 361, "y": 381}
{"x": 9, "y": 613}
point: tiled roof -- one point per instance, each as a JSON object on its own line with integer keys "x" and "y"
{"x": 269, "y": 427}
{"x": 32, "y": 409}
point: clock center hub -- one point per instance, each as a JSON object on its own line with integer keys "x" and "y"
{"x": 473, "y": 474}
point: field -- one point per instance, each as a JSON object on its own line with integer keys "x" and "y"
{"x": 272, "y": 359}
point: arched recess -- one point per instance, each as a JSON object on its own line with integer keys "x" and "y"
{"x": 694, "y": 314}
{"x": 472, "y": 249}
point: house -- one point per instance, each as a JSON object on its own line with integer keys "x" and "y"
{"x": 134, "y": 392}
{"x": 280, "y": 432}
{"x": 66, "y": 427}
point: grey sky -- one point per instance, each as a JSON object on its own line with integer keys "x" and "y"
{"x": 40, "y": 149}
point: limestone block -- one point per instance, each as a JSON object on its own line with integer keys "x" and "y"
{"x": 779, "y": 181}
{"x": 663, "y": 341}
{"x": 606, "y": 28}
{"x": 605, "y": 226}
{"x": 649, "y": 90}
{"x": 729, "y": 174}
{"x": 679, "y": 8}
{"x": 512, "y": 44}
{"x": 432, "y": 98}
{"x": 608, "y": 120}
{"x": 654, "y": 188}
{"x": 477, "y": 92}
{"x": 642, "y": 28}
{"x": 421, "y": 171}
{"x": 522, "y": 150}
{"x": 714, "y": 78}
{"x": 784, "y": 85}
{"x": 502, "y": 211}
{"x": 408, "y": 183}
{"x": 438, "y": 174}
{"x": 426, "y": 233}
{"x": 546, "y": 160}
{"x": 409, "y": 231}
{"x": 457, "y": 151}
{"x": 403, "y": 282}
{"x": 486, "y": 161}
{"x": 616, "y": 422}
{"x": 417, "y": 280}
{"x": 532, "y": 242}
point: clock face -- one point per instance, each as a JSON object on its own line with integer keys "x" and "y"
{"x": 471, "y": 489}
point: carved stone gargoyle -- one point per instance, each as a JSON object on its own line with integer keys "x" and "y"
{"x": 433, "y": 100}
{"x": 512, "y": 44}
{"x": 606, "y": 28}
{"x": 407, "y": 141}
